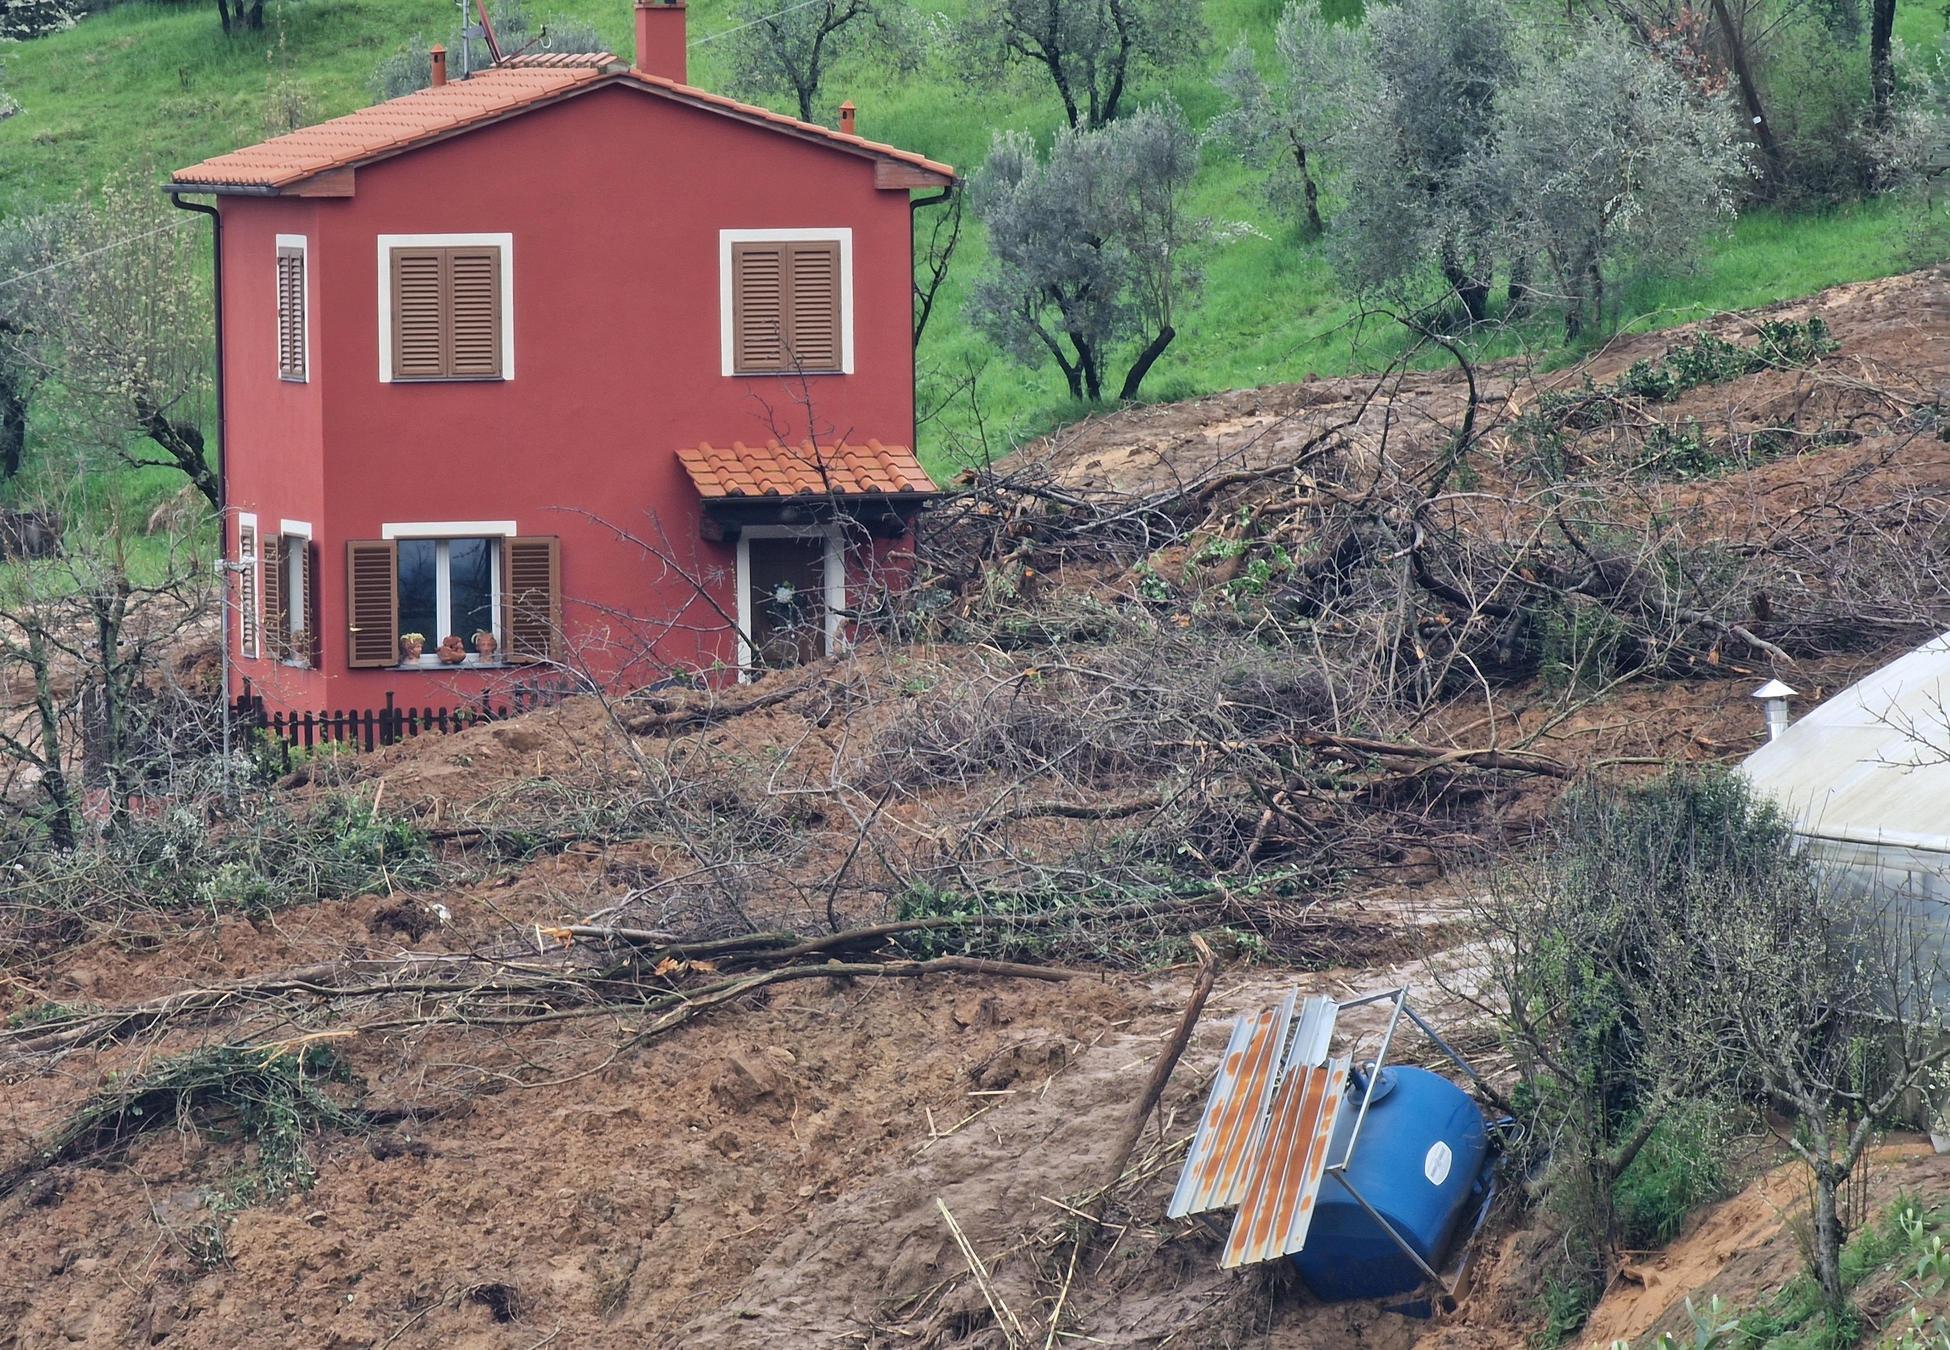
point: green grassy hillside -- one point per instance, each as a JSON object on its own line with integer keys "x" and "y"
{"x": 153, "y": 86}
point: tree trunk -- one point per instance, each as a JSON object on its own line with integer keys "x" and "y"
{"x": 1743, "y": 74}
{"x": 13, "y": 426}
{"x": 1142, "y": 366}
{"x": 1882, "y": 68}
{"x": 1474, "y": 294}
{"x": 223, "y": 15}
{"x": 1309, "y": 190}
{"x": 1828, "y": 1238}
{"x": 60, "y": 800}
{"x": 1091, "y": 364}
{"x": 184, "y": 444}
{"x": 257, "y": 16}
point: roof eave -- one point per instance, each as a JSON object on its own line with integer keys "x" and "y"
{"x": 808, "y": 498}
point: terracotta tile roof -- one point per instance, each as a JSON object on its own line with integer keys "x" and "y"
{"x": 459, "y": 105}
{"x": 803, "y": 470}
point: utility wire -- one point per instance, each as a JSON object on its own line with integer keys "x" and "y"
{"x": 65, "y": 262}
{"x": 763, "y": 18}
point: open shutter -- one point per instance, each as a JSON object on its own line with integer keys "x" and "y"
{"x": 758, "y": 323}
{"x": 314, "y": 650}
{"x": 371, "y": 602}
{"x": 419, "y": 314}
{"x": 277, "y": 602}
{"x": 474, "y": 312}
{"x": 531, "y": 571}
{"x": 248, "y": 618}
{"x": 813, "y": 326}
{"x": 291, "y": 313}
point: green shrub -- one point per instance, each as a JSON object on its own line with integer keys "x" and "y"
{"x": 1682, "y": 1166}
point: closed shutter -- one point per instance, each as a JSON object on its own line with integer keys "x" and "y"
{"x": 531, "y": 570}
{"x": 371, "y": 602}
{"x": 447, "y": 313}
{"x": 248, "y": 618}
{"x": 813, "y": 327}
{"x": 758, "y": 287}
{"x": 474, "y": 312}
{"x": 419, "y": 314}
{"x": 291, "y": 313}
{"x": 277, "y": 604}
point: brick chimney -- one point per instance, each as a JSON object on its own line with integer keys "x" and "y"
{"x": 660, "y": 38}
{"x": 847, "y": 113}
{"x": 439, "y": 55}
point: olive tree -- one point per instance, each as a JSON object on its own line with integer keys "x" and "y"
{"x": 1423, "y": 194}
{"x": 1091, "y": 50}
{"x": 1287, "y": 121}
{"x": 790, "y": 50}
{"x": 1089, "y": 248}
{"x": 1607, "y": 157}
{"x": 122, "y": 315}
{"x": 23, "y": 249}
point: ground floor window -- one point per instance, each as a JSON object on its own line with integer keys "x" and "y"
{"x": 451, "y": 588}
{"x": 791, "y": 591}
{"x": 426, "y": 598}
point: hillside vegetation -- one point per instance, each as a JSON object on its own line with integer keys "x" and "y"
{"x": 148, "y": 87}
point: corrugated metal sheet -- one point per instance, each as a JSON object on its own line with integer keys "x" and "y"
{"x": 1277, "y": 1207}
{"x": 1317, "y": 1018}
{"x": 1215, "y": 1168}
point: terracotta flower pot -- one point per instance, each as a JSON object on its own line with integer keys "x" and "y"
{"x": 452, "y": 650}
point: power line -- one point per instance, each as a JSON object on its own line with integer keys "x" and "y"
{"x": 65, "y": 262}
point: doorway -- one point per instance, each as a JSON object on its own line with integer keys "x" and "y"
{"x": 790, "y": 590}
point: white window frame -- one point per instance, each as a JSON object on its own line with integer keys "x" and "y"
{"x": 305, "y": 266}
{"x": 835, "y": 584}
{"x": 247, "y": 520}
{"x": 842, "y": 235}
{"x": 442, "y": 533}
{"x": 297, "y": 567}
{"x": 388, "y": 242}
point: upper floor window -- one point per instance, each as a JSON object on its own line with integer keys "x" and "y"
{"x": 787, "y": 301}
{"x": 446, "y": 307}
{"x": 294, "y": 339}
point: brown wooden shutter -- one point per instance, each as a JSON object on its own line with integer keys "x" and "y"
{"x": 531, "y": 572}
{"x": 277, "y": 602}
{"x": 758, "y": 309}
{"x": 371, "y": 602}
{"x": 813, "y": 325}
{"x": 474, "y": 312}
{"x": 291, "y": 313}
{"x": 248, "y": 618}
{"x": 419, "y": 314}
{"x": 315, "y": 649}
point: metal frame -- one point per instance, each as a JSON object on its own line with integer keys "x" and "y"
{"x": 1338, "y": 1170}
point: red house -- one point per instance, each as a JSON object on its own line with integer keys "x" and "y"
{"x": 568, "y": 360}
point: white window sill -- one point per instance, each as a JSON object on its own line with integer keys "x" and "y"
{"x": 430, "y": 663}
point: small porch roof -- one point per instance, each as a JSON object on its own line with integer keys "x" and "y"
{"x": 774, "y": 470}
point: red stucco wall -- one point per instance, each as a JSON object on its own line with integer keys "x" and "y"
{"x": 614, "y": 201}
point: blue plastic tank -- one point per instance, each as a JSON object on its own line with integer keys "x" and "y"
{"x": 1420, "y": 1161}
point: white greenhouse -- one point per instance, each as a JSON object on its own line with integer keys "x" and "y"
{"x": 1865, "y": 780}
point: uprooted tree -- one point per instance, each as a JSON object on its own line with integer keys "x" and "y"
{"x": 1089, "y": 249}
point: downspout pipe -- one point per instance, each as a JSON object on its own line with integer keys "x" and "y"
{"x": 209, "y": 209}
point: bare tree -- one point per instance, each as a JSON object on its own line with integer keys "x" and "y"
{"x": 1091, "y": 247}
{"x": 933, "y": 258}
{"x": 1090, "y": 49}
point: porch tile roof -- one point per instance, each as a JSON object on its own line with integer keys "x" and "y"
{"x": 505, "y": 90}
{"x": 803, "y": 470}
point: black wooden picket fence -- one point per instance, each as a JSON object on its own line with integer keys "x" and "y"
{"x": 364, "y": 729}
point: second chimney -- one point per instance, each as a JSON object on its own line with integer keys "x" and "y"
{"x": 439, "y": 55}
{"x": 660, "y": 38}
{"x": 847, "y": 113}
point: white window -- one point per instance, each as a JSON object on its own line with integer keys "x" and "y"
{"x": 295, "y": 640}
{"x": 450, "y": 585}
{"x": 294, "y": 308}
{"x": 434, "y": 346}
{"x": 742, "y": 336}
